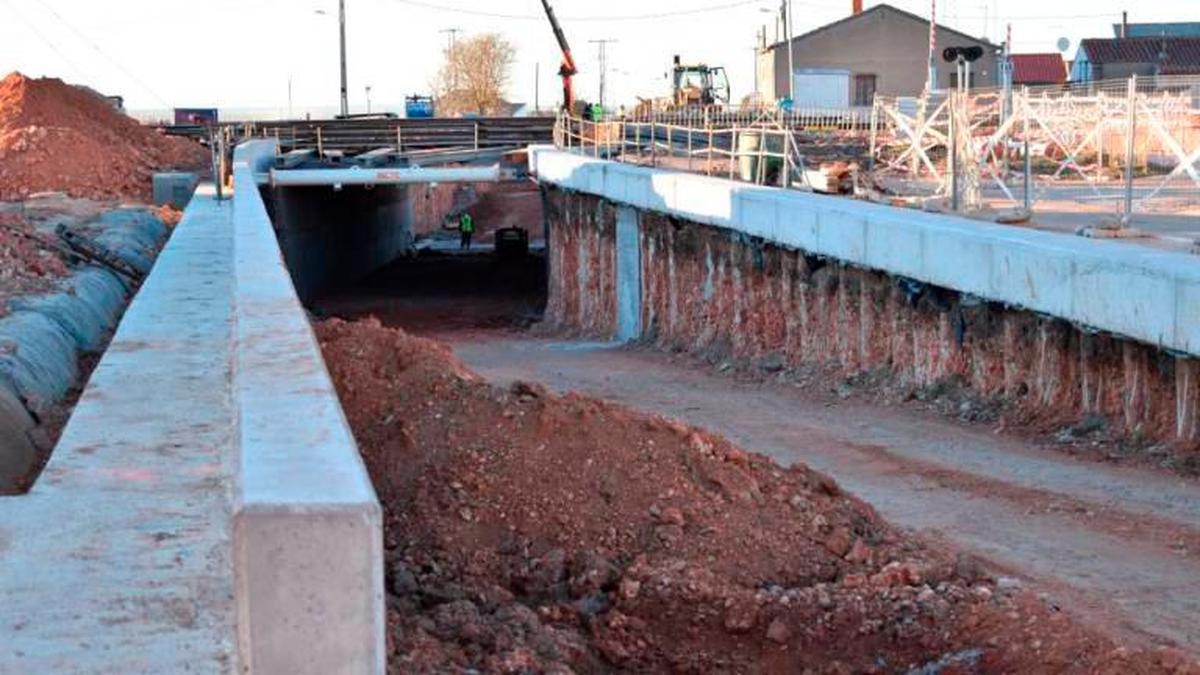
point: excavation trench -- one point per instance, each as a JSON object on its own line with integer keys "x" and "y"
{"x": 529, "y": 531}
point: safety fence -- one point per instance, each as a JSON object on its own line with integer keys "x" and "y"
{"x": 725, "y": 116}
{"x": 762, "y": 152}
{"x": 1121, "y": 153}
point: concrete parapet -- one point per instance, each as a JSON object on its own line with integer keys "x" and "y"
{"x": 1135, "y": 292}
{"x": 308, "y": 540}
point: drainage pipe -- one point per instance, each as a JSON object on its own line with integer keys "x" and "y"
{"x": 362, "y": 176}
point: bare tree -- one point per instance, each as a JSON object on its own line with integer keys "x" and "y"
{"x": 474, "y": 76}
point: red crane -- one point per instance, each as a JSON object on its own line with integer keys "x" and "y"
{"x": 567, "y": 70}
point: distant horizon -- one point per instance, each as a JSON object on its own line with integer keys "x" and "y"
{"x": 396, "y": 46}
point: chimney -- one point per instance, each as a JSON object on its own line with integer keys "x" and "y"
{"x": 1124, "y": 24}
{"x": 857, "y": 6}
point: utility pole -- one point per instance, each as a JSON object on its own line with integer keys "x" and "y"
{"x": 931, "y": 83}
{"x": 603, "y": 47}
{"x": 342, "y": 27}
{"x": 452, "y": 37}
{"x": 368, "y": 99}
{"x": 451, "y": 48}
{"x": 537, "y": 87}
{"x": 785, "y": 11}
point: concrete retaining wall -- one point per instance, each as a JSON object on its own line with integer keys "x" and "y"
{"x": 725, "y": 293}
{"x": 1136, "y": 292}
{"x": 308, "y": 542}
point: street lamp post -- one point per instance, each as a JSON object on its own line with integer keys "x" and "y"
{"x": 342, "y": 28}
{"x": 368, "y": 99}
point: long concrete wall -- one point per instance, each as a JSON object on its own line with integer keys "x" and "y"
{"x": 308, "y": 540}
{"x": 206, "y": 510}
{"x": 1136, "y": 292}
{"x": 790, "y": 280}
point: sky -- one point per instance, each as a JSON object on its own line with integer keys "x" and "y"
{"x": 241, "y": 54}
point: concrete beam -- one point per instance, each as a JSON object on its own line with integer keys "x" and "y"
{"x": 308, "y": 543}
{"x": 364, "y": 176}
{"x": 1136, "y": 292}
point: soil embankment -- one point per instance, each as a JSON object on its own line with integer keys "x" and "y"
{"x": 532, "y": 532}
{"x": 55, "y": 137}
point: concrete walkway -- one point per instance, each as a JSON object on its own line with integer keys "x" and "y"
{"x": 119, "y": 560}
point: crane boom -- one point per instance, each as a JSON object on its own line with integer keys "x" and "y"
{"x": 567, "y": 69}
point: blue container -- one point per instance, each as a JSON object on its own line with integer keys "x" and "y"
{"x": 418, "y": 106}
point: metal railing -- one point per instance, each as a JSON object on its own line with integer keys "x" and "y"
{"x": 1137, "y": 151}
{"x": 759, "y": 153}
{"x": 804, "y": 118}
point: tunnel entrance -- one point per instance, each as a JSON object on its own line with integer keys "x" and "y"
{"x": 435, "y": 287}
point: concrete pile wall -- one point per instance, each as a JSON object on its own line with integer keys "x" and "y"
{"x": 724, "y": 294}
{"x": 582, "y": 282}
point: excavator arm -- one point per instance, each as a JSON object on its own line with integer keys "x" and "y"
{"x": 567, "y": 70}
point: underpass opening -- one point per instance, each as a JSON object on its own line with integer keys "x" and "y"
{"x": 430, "y": 282}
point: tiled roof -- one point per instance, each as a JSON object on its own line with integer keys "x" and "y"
{"x": 1182, "y": 54}
{"x": 1038, "y": 69}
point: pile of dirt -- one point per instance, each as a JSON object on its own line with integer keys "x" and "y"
{"x": 531, "y": 532}
{"x": 30, "y": 262}
{"x": 57, "y": 137}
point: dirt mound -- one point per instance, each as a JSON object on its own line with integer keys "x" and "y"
{"x": 530, "y": 532}
{"x": 57, "y": 137}
{"x": 30, "y": 262}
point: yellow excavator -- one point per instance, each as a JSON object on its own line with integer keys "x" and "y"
{"x": 692, "y": 86}
{"x": 699, "y": 85}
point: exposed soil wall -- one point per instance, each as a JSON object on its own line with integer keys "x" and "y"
{"x": 724, "y": 295}
{"x": 583, "y": 263}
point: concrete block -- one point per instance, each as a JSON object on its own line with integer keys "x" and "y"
{"x": 174, "y": 189}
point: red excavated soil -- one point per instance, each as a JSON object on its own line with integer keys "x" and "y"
{"x": 533, "y": 533}
{"x": 30, "y": 262}
{"x": 57, "y": 137}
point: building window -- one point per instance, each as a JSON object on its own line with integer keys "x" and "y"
{"x": 864, "y": 90}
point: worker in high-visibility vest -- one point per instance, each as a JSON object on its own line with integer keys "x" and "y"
{"x": 466, "y": 228}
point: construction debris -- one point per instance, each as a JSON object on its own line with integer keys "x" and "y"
{"x": 57, "y": 137}
{"x": 532, "y": 532}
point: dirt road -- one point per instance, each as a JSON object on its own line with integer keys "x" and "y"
{"x": 1118, "y": 547}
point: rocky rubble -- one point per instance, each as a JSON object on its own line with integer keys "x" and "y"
{"x": 528, "y": 532}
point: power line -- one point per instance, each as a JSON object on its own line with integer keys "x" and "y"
{"x": 531, "y": 17}
{"x": 136, "y": 80}
{"x": 49, "y": 43}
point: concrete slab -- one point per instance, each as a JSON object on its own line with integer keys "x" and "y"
{"x": 206, "y": 510}
{"x": 1134, "y": 292}
{"x": 119, "y": 560}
